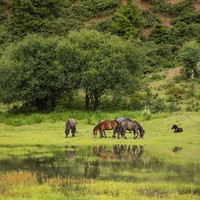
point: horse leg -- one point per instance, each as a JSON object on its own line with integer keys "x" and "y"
{"x": 73, "y": 130}
{"x": 104, "y": 133}
{"x": 101, "y": 133}
{"x": 135, "y": 134}
{"x": 124, "y": 135}
{"x": 118, "y": 134}
{"x": 124, "y": 132}
{"x": 114, "y": 133}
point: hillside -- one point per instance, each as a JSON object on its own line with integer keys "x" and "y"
{"x": 159, "y": 28}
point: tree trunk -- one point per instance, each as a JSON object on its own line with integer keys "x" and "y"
{"x": 41, "y": 103}
{"x": 96, "y": 102}
{"x": 53, "y": 101}
{"x": 87, "y": 101}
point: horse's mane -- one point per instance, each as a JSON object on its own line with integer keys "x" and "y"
{"x": 96, "y": 127}
{"x": 117, "y": 122}
{"x": 139, "y": 126}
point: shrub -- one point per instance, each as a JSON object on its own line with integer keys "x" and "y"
{"x": 194, "y": 107}
{"x": 146, "y": 114}
{"x": 173, "y": 107}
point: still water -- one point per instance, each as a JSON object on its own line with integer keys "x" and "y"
{"x": 117, "y": 162}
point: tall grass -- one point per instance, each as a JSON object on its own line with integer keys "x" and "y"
{"x": 89, "y": 116}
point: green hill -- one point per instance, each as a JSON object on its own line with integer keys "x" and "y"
{"x": 161, "y": 29}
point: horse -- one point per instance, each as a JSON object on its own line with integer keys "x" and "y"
{"x": 106, "y": 125}
{"x": 70, "y": 125}
{"x": 131, "y": 126}
{"x": 177, "y": 129}
{"x": 120, "y": 119}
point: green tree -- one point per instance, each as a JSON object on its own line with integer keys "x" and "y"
{"x": 108, "y": 63}
{"x": 30, "y": 72}
{"x": 190, "y": 56}
{"x": 33, "y": 16}
{"x": 127, "y": 21}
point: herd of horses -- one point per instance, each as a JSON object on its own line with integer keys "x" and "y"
{"x": 119, "y": 126}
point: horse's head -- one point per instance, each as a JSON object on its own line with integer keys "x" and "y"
{"x": 94, "y": 132}
{"x": 142, "y": 133}
{"x": 66, "y": 132}
{"x": 174, "y": 126}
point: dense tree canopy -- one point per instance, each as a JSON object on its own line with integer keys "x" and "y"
{"x": 39, "y": 69}
{"x": 190, "y": 56}
{"x": 33, "y": 16}
{"x": 30, "y": 72}
{"x": 108, "y": 63}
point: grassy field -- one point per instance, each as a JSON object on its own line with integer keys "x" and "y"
{"x": 35, "y": 134}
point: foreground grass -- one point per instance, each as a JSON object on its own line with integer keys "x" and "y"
{"x": 36, "y": 139}
{"x": 24, "y": 185}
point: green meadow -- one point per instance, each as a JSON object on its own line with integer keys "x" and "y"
{"x": 38, "y": 162}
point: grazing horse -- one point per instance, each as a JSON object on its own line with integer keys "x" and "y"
{"x": 106, "y": 125}
{"x": 131, "y": 126}
{"x": 177, "y": 129}
{"x": 70, "y": 125}
{"x": 120, "y": 119}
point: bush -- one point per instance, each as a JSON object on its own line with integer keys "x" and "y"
{"x": 146, "y": 114}
{"x": 194, "y": 107}
{"x": 158, "y": 105}
{"x": 175, "y": 90}
{"x": 173, "y": 107}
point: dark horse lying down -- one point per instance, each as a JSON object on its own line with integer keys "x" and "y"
{"x": 106, "y": 125}
{"x": 177, "y": 129}
{"x": 70, "y": 125}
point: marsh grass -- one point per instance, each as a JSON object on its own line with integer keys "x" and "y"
{"x": 24, "y": 185}
{"x": 177, "y": 177}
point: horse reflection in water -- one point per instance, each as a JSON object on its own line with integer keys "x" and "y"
{"x": 70, "y": 152}
{"x": 122, "y": 152}
{"x": 129, "y": 153}
{"x": 102, "y": 153}
{"x": 92, "y": 169}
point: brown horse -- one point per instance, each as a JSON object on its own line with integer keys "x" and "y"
{"x": 106, "y": 125}
{"x": 131, "y": 126}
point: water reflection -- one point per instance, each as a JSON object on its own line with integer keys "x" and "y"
{"x": 122, "y": 152}
{"x": 70, "y": 152}
{"x": 177, "y": 149}
{"x": 104, "y": 162}
{"x": 92, "y": 169}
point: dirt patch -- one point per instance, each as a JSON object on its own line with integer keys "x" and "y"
{"x": 146, "y": 32}
{"x": 166, "y": 20}
{"x": 196, "y": 5}
{"x": 171, "y": 73}
{"x": 173, "y": 1}
{"x": 142, "y": 5}
{"x": 124, "y": 2}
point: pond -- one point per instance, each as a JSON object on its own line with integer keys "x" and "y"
{"x": 117, "y": 163}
